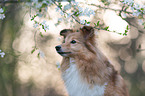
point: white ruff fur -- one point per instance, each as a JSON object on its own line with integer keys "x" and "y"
{"x": 76, "y": 86}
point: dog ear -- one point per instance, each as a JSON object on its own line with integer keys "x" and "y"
{"x": 65, "y": 32}
{"x": 87, "y": 32}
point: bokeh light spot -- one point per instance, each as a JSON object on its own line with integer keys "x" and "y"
{"x": 131, "y": 66}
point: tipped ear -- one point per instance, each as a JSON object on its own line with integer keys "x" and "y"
{"x": 87, "y": 32}
{"x": 65, "y": 32}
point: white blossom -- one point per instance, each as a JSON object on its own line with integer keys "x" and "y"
{"x": 2, "y": 16}
{"x": 46, "y": 8}
{"x": 44, "y": 2}
{"x": 28, "y": 4}
{"x": 38, "y": 5}
{"x": 44, "y": 22}
{"x": 82, "y": 21}
{"x": 91, "y": 12}
{"x": 140, "y": 21}
{"x": 69, "y": 15}
{"x": 132, "y": 9}
{"x": 66, "y": 7}
{"x": 35, "y": 1}
{"x": 72, "y": 20}
{"x": 42, "y": 54}
{"x": 57, "y": 9}
{"x": 61, "y": 13}
{"x": 35, "y": 25}
{"x": 59, "y": 19}
{"x": 124, "y": 15}
{"x": 2, "y": 54}
{"x": 136, "y": 13}
{"x": 137, "y": 6}
{"x": 74, "y": 3}
{"x": 87, "y": 12}
{"x": 129, "y": 2}
{"x": 80, "y": 9}
{"x": 1, "y": 10}
{"x": 39, "y": 14}
{"x": 46, "y": 27}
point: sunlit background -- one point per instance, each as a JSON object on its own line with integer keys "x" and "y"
{"x": 24, "y": 74}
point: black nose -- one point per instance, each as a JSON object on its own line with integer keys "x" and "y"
{"x": 58, "y": 48}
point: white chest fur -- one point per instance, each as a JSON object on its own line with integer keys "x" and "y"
{"x": 76, "y": 86}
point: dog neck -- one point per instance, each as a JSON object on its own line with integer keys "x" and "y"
{"x": 92, "y": 68}
{"x": 72, "y": 60}
{"x": 74, "y": 81}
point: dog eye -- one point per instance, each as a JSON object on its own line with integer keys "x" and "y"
{"x": 73, "y": 42}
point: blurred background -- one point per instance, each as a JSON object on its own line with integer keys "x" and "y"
{"x": 24, "y": 72}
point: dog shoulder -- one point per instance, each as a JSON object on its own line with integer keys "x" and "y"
{"x": 116, "y": 85}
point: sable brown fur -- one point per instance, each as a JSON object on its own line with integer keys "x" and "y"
{"x": 93, "y": 66}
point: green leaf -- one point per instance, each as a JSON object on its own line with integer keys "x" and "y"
{"x": 142, "y": 9}
{"x": 126, "y": 31}
{"x": 60, "y": 5}
{"x": 32, "y": 51}
{"x": 42, "y": 26}
{"x": 41, "y": 34}
{"x": 85, "y": 21}
{"x": 33, "y": 17}
{"x": 40, "y": 10}
{"x": 127, "y": 27}
{"x": 47, "y": 1}
{"x": 125, "y": 34}
{"x": 95, "y": 24}
{"x": 106, "y": 28}
{"x": 44, "y": 5}
{"x": 88, "y": 22}
{"x": 38, "y": 55}
{"x": 98, "y": 23}
{"x": 77, "y": 14}
{"x": 120, "y": 33}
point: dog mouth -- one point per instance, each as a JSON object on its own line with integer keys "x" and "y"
{"x": 63, "y": 52}
{"x": 60, "y": 51}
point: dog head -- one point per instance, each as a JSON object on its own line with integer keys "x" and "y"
{"x": 76, "y": 43}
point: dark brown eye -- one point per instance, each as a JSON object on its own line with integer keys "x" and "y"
{"x": 73, "y": 42}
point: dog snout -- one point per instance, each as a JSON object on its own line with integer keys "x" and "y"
{"x": 58, "y": 48}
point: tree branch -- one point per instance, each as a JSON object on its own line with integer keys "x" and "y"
{"x": 11, "y": 1}
{"x": 79, "y": 21}
{"x": 66, "y": 12}
{"x": 122, "y": 10}
{"x": 72, "y": 15}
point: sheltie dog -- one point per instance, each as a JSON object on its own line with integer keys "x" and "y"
{"x": 85, "y": 70}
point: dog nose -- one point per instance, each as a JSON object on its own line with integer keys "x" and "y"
{"x": 58, "y": 47}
